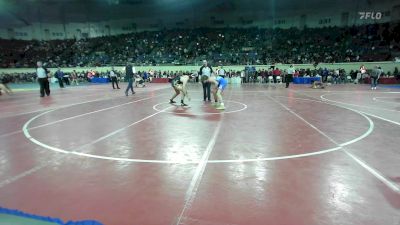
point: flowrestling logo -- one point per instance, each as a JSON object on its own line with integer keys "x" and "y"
{"x": 370, "y": 15}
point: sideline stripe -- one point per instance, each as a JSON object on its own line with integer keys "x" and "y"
{"x": 195, "y": 182}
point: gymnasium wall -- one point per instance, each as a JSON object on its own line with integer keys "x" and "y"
{"x": 348, "y": 14}
{"x": 386, "y": 66}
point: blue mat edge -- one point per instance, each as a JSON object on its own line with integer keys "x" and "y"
{"x": 390, "y": 86}
{"x": 15, "y": 212}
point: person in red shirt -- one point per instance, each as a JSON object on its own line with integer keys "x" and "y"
{"x": 263, "y": 75}
{"x": 276, "y": 73}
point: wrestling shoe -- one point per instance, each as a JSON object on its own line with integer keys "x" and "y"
{"x": 183, "y": 104}
{"x": 220, "y": 107}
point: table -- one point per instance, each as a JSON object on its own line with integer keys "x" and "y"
{"x": 383, "y": 80}
{"x": 159, "y": 80}
{"x": 99, "y": 80}
{"x": 305, "y": 80}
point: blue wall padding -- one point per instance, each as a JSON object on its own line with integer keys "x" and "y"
{"x": 46, "y": 219}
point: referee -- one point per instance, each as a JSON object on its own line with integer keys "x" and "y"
{"x": 114, "y": 79}
{"x": 289, "y": 76}
{"x": 42, "y": 79}
{"x": 221, "y": 72}
{"x": 205, "y": 72}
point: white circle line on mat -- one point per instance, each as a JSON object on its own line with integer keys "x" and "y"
{"x": 339, "y": 147}
{"x": 244, "y": 107}
{"x": 377, "y": 99}
{"x": 324, "y": 98}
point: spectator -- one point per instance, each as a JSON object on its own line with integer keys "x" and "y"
{"x": 66, "y": 79}
{"x": 276, "y": 72}
{"x": 59, "y": 75}
{"x": 375, "y": 74}
{"x": 187, "y": 46}
{"x": 74, "y": 78}
{"x": 129, "y": 72}
{"x": 4, "y": 80}
{"x": 336, "y": 76}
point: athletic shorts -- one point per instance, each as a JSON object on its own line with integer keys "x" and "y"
{"x": 222, "y": 84}
{"x": 174, "y": 83}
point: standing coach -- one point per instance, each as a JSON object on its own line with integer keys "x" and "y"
{"x": 129, "y": 72}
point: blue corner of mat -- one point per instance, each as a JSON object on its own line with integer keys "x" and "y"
{"x": 85, "y": 222}
{"x": 15, "y": 212}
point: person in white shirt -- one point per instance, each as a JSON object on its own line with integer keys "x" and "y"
{"x": 74, "y": 78}
{"x": 242, "y": 76}
{"x": 221, "y": 72}
{"x": 139, "y": 81}
{"x": 42, "y": 79}
{"x": 336, "y": 77}
{"x": 289, "y": 76}
{"x": 363, "y": 70}
{"x": 179, "y": 84}
{"x": 113, "y": 76}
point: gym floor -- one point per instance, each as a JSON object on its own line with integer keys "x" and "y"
{"x": 274, "y": 156}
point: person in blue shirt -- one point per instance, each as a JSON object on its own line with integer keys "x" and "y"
{"x": 220, "y": 85}
{"x": 145, "y": 76}
{"x": 325, "y": 74}
{"x": 60, "y": 76}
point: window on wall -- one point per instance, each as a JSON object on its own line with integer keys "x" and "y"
{"x": 325, "y": 21}
{"x": 128, "y": 28}
{"x": 244, "y": 21}
{"x": 21, "y": 34}
{"x": 279, "y": 22}
{"x": 55, "y": 34}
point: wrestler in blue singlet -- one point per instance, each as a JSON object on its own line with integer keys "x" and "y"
{"x": 222, "y": 82}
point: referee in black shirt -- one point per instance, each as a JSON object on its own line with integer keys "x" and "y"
{"x": 205, "y": 72}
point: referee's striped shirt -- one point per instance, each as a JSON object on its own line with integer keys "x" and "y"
{"x": 41, "y": 73}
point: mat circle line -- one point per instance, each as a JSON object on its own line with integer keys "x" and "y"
{"x": 377, "y": 100}
{"x": 324, "y": 98}
{"x": 25, "y": 130}
{"x": 244, "y": 106}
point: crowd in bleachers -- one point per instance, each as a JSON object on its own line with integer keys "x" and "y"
{"x": 334, "y": 76}
{"x": 228, "y": 46}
